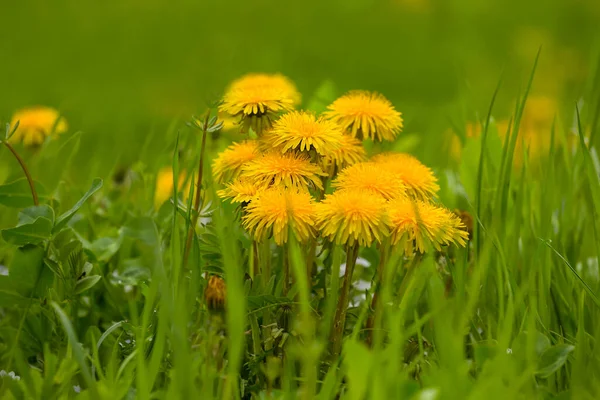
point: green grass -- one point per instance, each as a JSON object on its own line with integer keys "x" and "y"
{"x": 102, "y": 300}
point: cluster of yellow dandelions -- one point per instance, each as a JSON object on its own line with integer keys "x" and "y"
{"x": 280, "y": 178}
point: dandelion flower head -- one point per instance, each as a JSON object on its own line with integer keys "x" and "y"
{"x": 275, "y": 210}
{"x": 370, "y": 177}
{"x": 256, "y": 97}
{"x": 352, "y": 217}
{"x": 418, "y": 178}
{"x": 277, "y": 169}
{"x": 228, "y": 164}
{"x": 36, "y": 124}
{"x": 366, "y": 114}
{"x": 302, "y": 131}
{"x": 421, "y": 225}
{"x": 239, "y": 191}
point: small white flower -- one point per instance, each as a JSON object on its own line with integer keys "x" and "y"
{"x": 509, "y": 351}
{"x": 3, "y": 373}
{"x": 77, "y": 389}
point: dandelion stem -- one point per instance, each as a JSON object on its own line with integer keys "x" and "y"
{"x": 373, "y": 319}
{"x": 286, "y": 269}
{"x": 25, "y": 170}
{"x": 196, "y": 210}
{"x": 342, "y": 306}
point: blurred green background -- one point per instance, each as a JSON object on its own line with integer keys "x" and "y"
{"x": 123, "y": 70}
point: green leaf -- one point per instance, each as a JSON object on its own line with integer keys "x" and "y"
{"x": 86, "y": 283}
{"x": 17, "y": 194}
{"x": 66, "y": 217}
{"x": 78, "y": 352}
{"x": 554, "y": 358}
{"x": 357, "y": 360}
{"x": 8, "y": 296}
{"x": 25, "y": 269}
{"x": 30, "y": 214}
{"x": 143, "y": 229}
{"x": 32, "y": 233}
{"x": 104, "y": 248}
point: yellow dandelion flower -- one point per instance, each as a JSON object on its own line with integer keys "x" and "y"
{"x": 303, "y": 131}
{"x": 229, "y": 162}
{"x": 215, "y": 293}
{"x": 418, "y": 224}
{"x": 255, "y": 98}
{"x": 239, "y": 191}
{"x": 274, "y": 211}
{"x": 349, "y": 153}
{"x": 290, "y": 170}
{"x": 370, "y": 177}
{"x": 418, "y": 178}
{"x": 36, "y": 124}
{"x": 366, "y": 115}
{"x": 164, "y": 185}
{"x": 352, "y": 216}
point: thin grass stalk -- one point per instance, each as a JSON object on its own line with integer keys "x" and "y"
{"x": 376, "y": 305}
{"x": 342, "y": 306}
{"x": 197, "y": 197}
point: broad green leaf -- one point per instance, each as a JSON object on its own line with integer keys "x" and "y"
{"x": 86, "y": 283}
{"x": 8, "y": 296}
{"x": 17, "y": 194}
{"x": 30, "y": 214}
{"x": 357, "y": 362}
{"x": 554, "y": 358}
{"x": 32, "y": 233}
{"x": 66, "y": 217}
{"x": 25, "y": 269}
{"x": 104, "y": 248}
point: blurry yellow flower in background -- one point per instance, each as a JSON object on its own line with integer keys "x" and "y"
{"x": 366, "y": 115}
{"x": 303, "y": 131}
{"x": 535, "y": 130}
{"x": 229, "y": 162}
{"x": 239, "y": 191}
{"x": 256, "y": 98}
{"x": 36, "y": 124}
{"x": 472, "y": 130}
{"x": 349, "y": 153}
{"x": 370, "y": 177}
{"x": 215, "y": 293}
{"x": 418, "y": 224}
{"x": 352, "y": 216}
{"x": 276, "y": 169}
{"x": 275, "y": 210}
{"x": 164, "y": 185}
{"x": 418, "y": 179}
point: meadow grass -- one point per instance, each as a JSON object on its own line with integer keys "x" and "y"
{"x": 109, "y": 299}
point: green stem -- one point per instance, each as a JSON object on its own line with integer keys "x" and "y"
{"x": 196, "y": 210}
{"x": 376, "y": 305}
{"x": 25, "y": 170}
{"x": 342, "y": 306}
{"x": 286, "y": 269}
